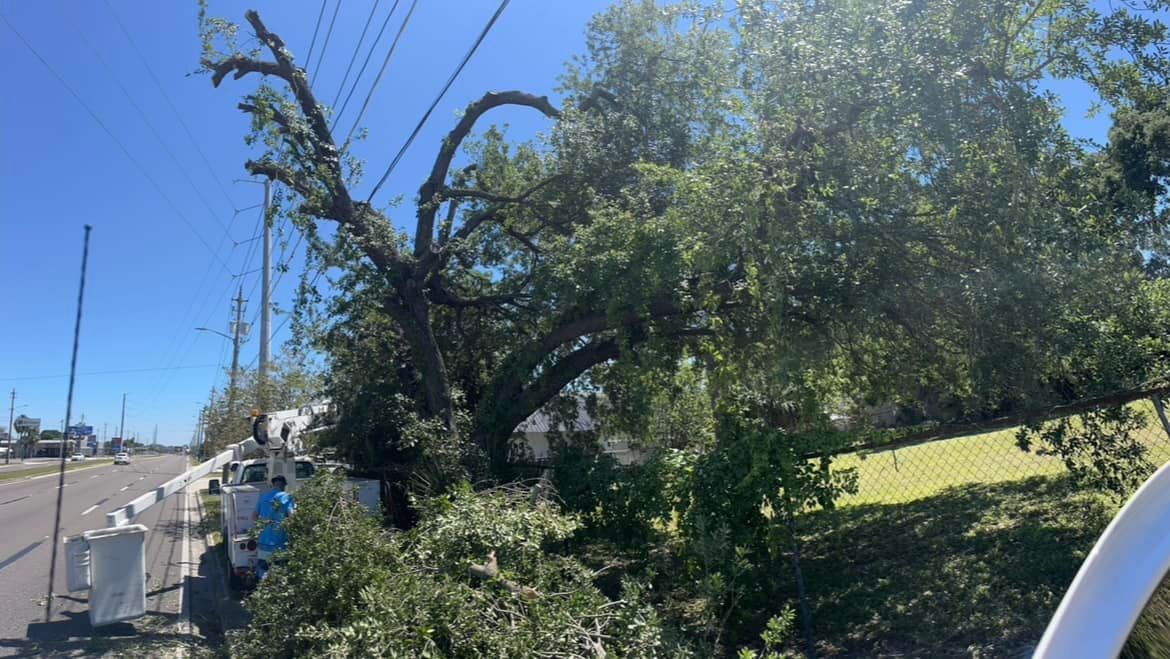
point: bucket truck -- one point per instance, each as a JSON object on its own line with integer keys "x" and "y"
{"x": 110, "y": 562}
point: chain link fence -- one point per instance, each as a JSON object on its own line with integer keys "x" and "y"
{"x": 908, "y": 474}
{"x": 959, "y": 547}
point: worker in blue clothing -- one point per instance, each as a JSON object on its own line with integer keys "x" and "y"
{"x": 272, "y": 507}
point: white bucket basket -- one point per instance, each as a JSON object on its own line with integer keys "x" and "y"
{"x": 117, "y": 566}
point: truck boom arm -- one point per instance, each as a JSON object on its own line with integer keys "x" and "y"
{"x": 276, "y": 431}
{"x": 127, "y": 513}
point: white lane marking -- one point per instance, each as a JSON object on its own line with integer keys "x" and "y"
{"x": 94, "y": 476}
{"x": 142, "y": 478}
{"x": 89, "y": 510}
{"x": 65, "y": 485}
{"x": 124, "y": 489}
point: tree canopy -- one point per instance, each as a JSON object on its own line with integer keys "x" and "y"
{"x": 842, "y": 202}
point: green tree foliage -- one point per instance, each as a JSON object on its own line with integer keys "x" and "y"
{"x": 879, "y": 195}
{"x": 228, "y": 414}
{"x": 347, "y": 588}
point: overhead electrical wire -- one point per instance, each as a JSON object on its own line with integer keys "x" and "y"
{"x": 450, "y": 81}
{"x": 378, "y": 78}
{"x": 129, "y": 156}
{"x": 353, "y": 58}
{"x": 150, "y": 126}
{"x": 316, "y": 29}
{"x": 170, "y": 104}
{"x": 365, "y": 63}
{"x": 325, "y": 46}
{"x": 112, "y": 372}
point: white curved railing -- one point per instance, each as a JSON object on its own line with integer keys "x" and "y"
{"x": 1116, "y": 580}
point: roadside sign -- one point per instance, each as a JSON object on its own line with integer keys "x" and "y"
{"x": 26, "y": 424}
{"x": 80, "y": 431}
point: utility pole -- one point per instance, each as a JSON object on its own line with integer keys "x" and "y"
{"x": 11, "y": 409}
{"x": 237, "y": 329}
{"x": 154, "y": 440}
{"x": 122, "y": 425}
{"x": 266, "y": 293}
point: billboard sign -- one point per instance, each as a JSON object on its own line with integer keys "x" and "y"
{"x": 26, "y": 424}
{"x": 80, "y": 431}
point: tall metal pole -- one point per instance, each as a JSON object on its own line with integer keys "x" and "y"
{"x": 11, "y": 409}
{"x": 239, "y": 328}
{"x": 68, "y": 413}
{"x": 266, "y": 292}
{"x": 122, "y": 424}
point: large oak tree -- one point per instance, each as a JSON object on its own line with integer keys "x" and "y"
{"x": 867, "y": 201}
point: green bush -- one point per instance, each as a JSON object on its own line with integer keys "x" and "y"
{"x": 627, "y": 505}
{"x": 349, "y": 589}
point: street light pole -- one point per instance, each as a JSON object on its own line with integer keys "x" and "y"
{"x": 122, "y": 424}
{"x": 239, "y": 327}
{"x": 265, "y": 296}
{"x": 11, "y": 409}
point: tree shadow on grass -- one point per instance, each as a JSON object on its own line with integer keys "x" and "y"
{"x": 976, "y": 570}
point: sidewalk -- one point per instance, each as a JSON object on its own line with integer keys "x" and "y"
{"x": 215, "y": 607}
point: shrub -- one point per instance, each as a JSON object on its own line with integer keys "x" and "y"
{"x": 350, "y": 589}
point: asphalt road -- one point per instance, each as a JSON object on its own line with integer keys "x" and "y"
{"x": 26, "y": 526}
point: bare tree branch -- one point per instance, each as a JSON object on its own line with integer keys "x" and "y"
{"x": 242, "y": 67}
{"x": 428, "y": 205}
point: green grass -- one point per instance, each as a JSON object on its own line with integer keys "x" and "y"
{"x": 46, "y": 469}
{"x": 209, "y": 525}
{"x": 970, "y": 571}
{"x": 956, "y": 548}
{"x": 921, "y": 471}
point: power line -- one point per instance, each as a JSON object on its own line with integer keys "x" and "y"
{"x": 450, "y": 81}
{"x": 325, "y": 46}
{"x": 353, "y": 58}
{"x": 114, "y": 372}
{"x": 316, "y": 29}
{"x": 138, "y": 165}
{"x": 385, "y": 63}
{"x": 365, "y": 63}
{"x": 184, "y": 330}
{"x": 146, "y": 120}
{"x": 174, "y": 110}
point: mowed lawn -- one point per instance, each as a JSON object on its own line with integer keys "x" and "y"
{"x": 958, "y": 548}
{"x": 916, "y": 472}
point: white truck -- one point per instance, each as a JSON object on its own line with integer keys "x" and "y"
{"x": 278, "y": 435}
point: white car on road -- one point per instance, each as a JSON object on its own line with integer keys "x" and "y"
{"x": 78, "y": 457}
{"x": 122, "y": 459}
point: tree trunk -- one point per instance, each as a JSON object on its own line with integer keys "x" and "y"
{"x": 413, "y": 314}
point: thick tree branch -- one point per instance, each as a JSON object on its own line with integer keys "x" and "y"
{"x": 434, "y": 259}
{"x": 438, "y": 293}
{"x": 427, "y": 204}
{"x": 912, "y": 437}
{"x": 292, "y": 179}
{"x": 358, "y": 218}
{"x": 242, "y": 67}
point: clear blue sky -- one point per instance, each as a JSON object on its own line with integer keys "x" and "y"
{"x": 146, "y": 289}
{"x": 151, "y": 277}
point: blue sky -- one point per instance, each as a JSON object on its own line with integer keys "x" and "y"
{"x": 152, "y": 276}
{"x": 147, "y": 288}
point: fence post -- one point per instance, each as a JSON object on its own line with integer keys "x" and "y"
{"x": 806, "y": 619}
{"x": 1161, "y": 410}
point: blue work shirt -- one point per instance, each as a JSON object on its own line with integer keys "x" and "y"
{"x": 273, "y": 506}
